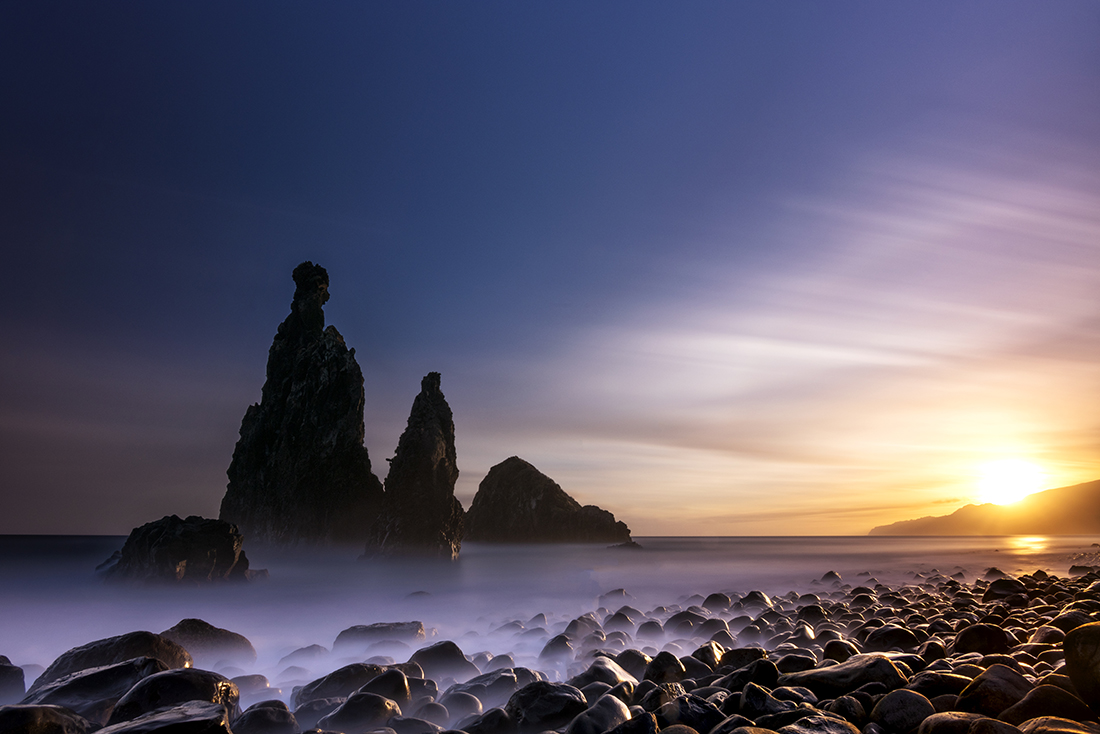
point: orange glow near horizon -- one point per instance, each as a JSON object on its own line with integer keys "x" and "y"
{"x": 1006, "y": 481}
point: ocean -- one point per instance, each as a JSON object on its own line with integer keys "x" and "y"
{"x": 51, "y": 599}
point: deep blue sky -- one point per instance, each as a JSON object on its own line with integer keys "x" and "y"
{"x": 605, "y": 223}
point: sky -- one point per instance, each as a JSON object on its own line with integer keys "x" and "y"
{"x": 721, "y": 268}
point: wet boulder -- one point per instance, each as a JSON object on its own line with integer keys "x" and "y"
{"x": 665, "y": 668}
{"x": 209, "y": 644}
{"x": 818, "y": 724}
{"x": 391, "y": 684}
{"x": 191, "y": 717}
{"x": 41, "y": 719}
{"x": 444, "y": 659}
{"x": 114, "y": 650}
{"x": 689, "y": 710}
{"x": 174, "y": 687}
{"x": 993, "y": 691}
{"x": 841, "y": 678}
{"x": 1046, "y": 700}
{"x": 267, "y": 717}
{"x": 361, "y": 712}
{"x": 92, "y": 693}
{"x": 340, "y": 683}
{"x": 309, "y": 713}
{"x": 1082, "y": 649}
{"x": 543, "y": 705}
{"x": 604, "y": 714}
{"x": 988, "y": 639}
{"x": 602, "y": 670}
{"x": 902, "y": 710}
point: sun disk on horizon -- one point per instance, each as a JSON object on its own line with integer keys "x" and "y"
{"x": 1009, "y": 480}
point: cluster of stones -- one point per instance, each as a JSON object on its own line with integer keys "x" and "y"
{"x": 1003, "y": 655}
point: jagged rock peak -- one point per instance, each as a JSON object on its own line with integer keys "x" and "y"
{"x": 300, "y": 472}
{"x": 516, "y": 503}
{"x": 420, "y": 514}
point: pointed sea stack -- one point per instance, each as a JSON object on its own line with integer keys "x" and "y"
{"x": 300, "y": 472}
{"x": 516, "y": 503}
{"x": 420, "y": 514}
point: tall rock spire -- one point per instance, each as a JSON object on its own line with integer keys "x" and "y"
{"x": 420, "y": 514}
{"x": 300, "y": 472}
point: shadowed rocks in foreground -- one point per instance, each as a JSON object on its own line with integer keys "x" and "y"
{"x": 516, "y": 503}
{"x": 196, "y": 550}
{"x": 300, "y": 472}
{"x": 420, "y": 514}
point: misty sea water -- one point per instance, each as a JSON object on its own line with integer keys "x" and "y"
{"x": 51, "y": 600}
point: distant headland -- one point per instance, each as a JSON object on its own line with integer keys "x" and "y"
{"x": 1073, "y": 510}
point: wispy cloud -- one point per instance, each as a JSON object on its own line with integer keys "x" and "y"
{"x": 945, "y": 312}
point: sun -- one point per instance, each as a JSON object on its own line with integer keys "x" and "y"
{"x": 1009, "y": 480}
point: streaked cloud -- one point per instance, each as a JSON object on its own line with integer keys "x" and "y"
{"x": 944, "y": 313}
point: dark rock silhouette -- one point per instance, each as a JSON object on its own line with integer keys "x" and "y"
{"x": 516, "y": 503}
{"x": 1062, "y": 511}
{"x": 196, "y": 550}
{"x": 300, "y": 472}
{"x": 420, "y": 514}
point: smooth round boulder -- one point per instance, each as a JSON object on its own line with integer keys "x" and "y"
{"x": 817, "y": 724}
{"x": 990, "y": 693}
{"x": 113, "y": 650}
{"x": 839, "y": 650}
{"x": 444, "y": 659}
{"x": 41, "y": 719}
{"x": 174, "y": 687}
{"x": 1047, "y": 700}
{"x": 493, "y": 721}
{"x": 891, "y": 637}
{"x": 461, "y": 705}
{"x": 340, "y": 683}
{"x": 361, "y": 713}
{"x": 193, "y": 716}
{"x": 836, "y": 680}
{"x": 1082, "y": 649}
{"x": 605, "y": 714}
{"x": 1057, "y": 725}
{"x": 849, "y": 708}
{"x": 391, "y": 684}
{"x": 985, "y": 638}
{"x": 690, "y": 710}
{"x": 310, "y": 712}
{"x": 948, "y": 722}
{"x": 901, "y": 711}
{"x": 602, "y": 670}
{"x": 209, "y": 644}
{"x": 413, "y": 725}
{"x": 665, "y": 668}
{"x": 266, "y": 720}
{"x": 93, "y": 693}
{"x": 544, "y": 705}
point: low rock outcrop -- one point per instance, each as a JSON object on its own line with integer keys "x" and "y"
{"x": 195, "y": 550}
{"x": 300, "y": 472}
{"x": 516, "y": 503}
{"x": 420, "y": 513}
